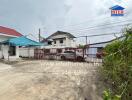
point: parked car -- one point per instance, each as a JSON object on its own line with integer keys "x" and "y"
{"x": 70, "y": 55}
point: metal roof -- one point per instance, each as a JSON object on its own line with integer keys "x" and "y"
{"x": 62, "y": 33}
{"x": 22, "y": 41}
{"x": 9, "y": 31}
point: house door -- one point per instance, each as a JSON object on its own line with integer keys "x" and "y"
{"x": 12, "y": 50}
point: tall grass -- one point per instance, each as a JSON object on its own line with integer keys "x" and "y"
{"x": 117, "y": 66}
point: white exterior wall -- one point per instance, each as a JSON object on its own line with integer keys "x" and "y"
{"x": 26, "y": 52}
{"x": 4, "y": 37}
{"x": 5, "y": 55}
{"x": 70, "y": 42}
{"x": 4, "y": 51}
{"x": 67, "y": 42}
{"x": 5, "y": 48}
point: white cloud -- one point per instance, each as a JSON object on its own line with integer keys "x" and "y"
{"x": 27, "y": 16}
{"x": 96, "y": 12}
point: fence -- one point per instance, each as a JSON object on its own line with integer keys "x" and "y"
{"x": 53, "y": 54}
{"x": 44, "y": 54}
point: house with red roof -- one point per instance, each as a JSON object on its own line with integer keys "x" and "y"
{"x": 7, "y": 51}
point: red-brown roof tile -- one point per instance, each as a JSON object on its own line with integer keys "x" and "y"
{"x": 8, "y": 31}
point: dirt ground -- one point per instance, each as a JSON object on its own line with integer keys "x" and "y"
{"x": 48, "y": 80}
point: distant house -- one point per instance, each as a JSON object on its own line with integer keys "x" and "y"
{"x": 7, "y": 51}
{"x": 117, "y": 10}
{"x": 95, "y": 48}
{"x": 60, "y": 39}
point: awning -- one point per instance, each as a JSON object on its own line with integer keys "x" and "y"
{"x": 22, "y": 41}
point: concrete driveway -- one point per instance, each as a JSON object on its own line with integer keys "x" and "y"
{"x": 48, "y": 80}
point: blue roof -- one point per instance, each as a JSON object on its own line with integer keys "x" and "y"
{"x": 22, "y": 41}
{"x": 117, "y": 7}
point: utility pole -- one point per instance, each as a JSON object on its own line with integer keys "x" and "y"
{"x": 85, "y": 49}
{"x": 86, "y": 40}
{"x": 39, "y": 35}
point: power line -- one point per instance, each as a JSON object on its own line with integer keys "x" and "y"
{"x": 97, "y": 26}
{"x": 102, "y": 34}
{"x": 88, "y": 27}
{"x": 34, "y": 36}
{"x": 119, "y": 23}
{"x": 99, "y": 35}
{"x": 86, "y": 37}
{"x": 79, "y": 23}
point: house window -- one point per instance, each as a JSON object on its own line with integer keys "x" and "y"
{"x": 49, "y": 43}
{"x": 61, "y": 41}
{"x": 12, "y": 51}
{"x": 54, "y": 42}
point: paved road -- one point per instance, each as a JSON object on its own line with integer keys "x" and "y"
{"x": 48, "y": 80}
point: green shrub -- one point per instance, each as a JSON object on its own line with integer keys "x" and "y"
{"x": 117, "y": 66}
{"x": 107, "y": 96}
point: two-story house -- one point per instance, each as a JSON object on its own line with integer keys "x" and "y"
{"x": 59, "y": 41}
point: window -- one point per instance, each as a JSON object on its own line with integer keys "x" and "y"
{"x": 12, "y": 51}
{"x": 54, "y": 42}
{"x": 61, "y": 41}
{"x": 49, "y": 43}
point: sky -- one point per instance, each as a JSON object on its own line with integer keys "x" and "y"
{"x": 74, "y": 16}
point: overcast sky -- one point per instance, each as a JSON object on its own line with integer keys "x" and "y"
{"x": 74, "y": 16}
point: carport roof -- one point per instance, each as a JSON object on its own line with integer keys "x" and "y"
{"x": 22, "y": 41}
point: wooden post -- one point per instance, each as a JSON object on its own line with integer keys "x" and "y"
{"x": 86, "y": 40}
